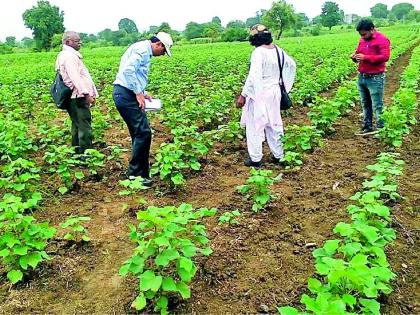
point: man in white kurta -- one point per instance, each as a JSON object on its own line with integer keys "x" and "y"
{"x": 261, "y": 113}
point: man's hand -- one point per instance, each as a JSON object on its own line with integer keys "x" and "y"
{"x": 353, "y": 57}
{"x": 141, "y": 100}
{"x": 240, "y": 102}
{"x": 90, "y": 100}
{"x": 359, "y": 57}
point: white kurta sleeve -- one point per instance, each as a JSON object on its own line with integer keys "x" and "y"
{"x": 253, "y": 84}
{"x": 289, "y": 72}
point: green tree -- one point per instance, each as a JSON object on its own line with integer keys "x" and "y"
{"x": 330, "y": 14}
{"x": 234, "y": 34}
{"x": 105, "y": 35}
{"x": 44, "y": 20}
{"x": 236, "y": 24}
{"x": 317, "y": 20}
{"x": 401, "y": 10}
{"x": 193, "y": 30}
{"x": 211, "y": 30}
{"x": 56, "y": 40}
{"x": 280, "y": 17}
{"x": 27, "y": 42}
{"x": 379, "y": 11}
{"x": 11, "y": 41}
{"x": 153, "y": 29}
{"x": 127, "y": 25}
{"x": 216, "y": 20}
{"x": 301, "y": 20}
{"x": 414, "y": 16}
{"x": 5, "y": 49}
{"x": 164, "y": 27}
{"x": 257, "y": 19}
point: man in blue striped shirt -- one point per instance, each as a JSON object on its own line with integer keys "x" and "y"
{"x": 130, "y": 98}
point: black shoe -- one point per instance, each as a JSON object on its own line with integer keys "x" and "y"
{"x": 366, "y": 130}
{"x": 277, "y": 161}
{"x": 147, "y": 182}
{"x": 248, "y": 162}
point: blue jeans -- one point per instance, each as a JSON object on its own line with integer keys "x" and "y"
{"x": 371, "y": 89}
{"x": 138, "y": 126}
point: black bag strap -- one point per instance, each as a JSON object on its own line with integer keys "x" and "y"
{"x": 281, "y": 65}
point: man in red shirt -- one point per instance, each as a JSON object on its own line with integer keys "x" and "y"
{"x": 372, "y": 54}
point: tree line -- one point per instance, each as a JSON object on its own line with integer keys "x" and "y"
{"x": 47, "y": 24}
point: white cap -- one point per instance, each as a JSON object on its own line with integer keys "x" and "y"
{"x": 166, "y": 40}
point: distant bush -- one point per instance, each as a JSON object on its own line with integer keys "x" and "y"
{"x": 316, "y": 31}
{"x": 235, "y": 34}
{"x": 202, "y": 40}
{"x": 5, "y": 49}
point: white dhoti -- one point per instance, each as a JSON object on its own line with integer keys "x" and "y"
{"x": 262, "y": 120}
{"x": 261, "y": 113}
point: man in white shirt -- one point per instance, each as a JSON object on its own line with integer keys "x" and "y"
{"x": 76, "y": 76}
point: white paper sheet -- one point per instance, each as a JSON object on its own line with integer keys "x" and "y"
{"x": 153, "y": 105}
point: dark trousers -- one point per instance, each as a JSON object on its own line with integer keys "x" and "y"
{"x": 81, "y": 124}
{"x": 371, "y": 90}
{"x": 138, "y": 126}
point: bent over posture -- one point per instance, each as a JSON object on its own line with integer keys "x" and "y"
{"x": 130, "y": 97}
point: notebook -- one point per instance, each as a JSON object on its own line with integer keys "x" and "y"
{"x": 153, "y": 105}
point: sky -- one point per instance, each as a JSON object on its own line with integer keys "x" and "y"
{"x": 93, "y": 16}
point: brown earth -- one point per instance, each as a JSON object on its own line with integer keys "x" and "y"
{"x": 404, "y": 255}
{"x": 261, "y": 263}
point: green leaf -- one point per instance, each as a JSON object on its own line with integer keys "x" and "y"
{"x": 184, "y": 290}
{"x": 34, "y": 259}
{"x": 4, "y": 253}
{"x": 62, "y": 190}
{"x": 350, "y": 300}
{"x": 186, "y": 264}
{"x": 168, "y": 284}
{"x": 343, "y": 229}
{"x": 314, "y": 285}
{"x": 351, "y": 249}
{"x": 23, "y": 262}
{"x": 166, "y": 256}
{"x": 195, "y": 166}
{"x": 331, "y": 246}
{"x": 148, "y": 281}
{"x": 162, "y": 302}
{"x": 85, "y": 238}
{"x": 79, "y": 175}
{"x": 288, "y": 310}
{"x": 124, "y": 269}
{"x": 371, "y": 305}
{"x": 185, "y": 275}
{"x": 20, "y": 250}
{"x": 161, "y": 241}
{"x": 69, "y": 237}
{"x": 140, "y": 302}
{"x": 15, "y": 276}
{"x": 358, "y": 260}
{"x": 370, "y": 292}
{"x": 177, "y": 179}
{"x": 207, "y": 251}
{"x": 189, "y": 250}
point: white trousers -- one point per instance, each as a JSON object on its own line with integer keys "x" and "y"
{"x": 255, "y": 139}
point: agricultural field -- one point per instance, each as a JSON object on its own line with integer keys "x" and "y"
{"x": 335, "y": 231}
